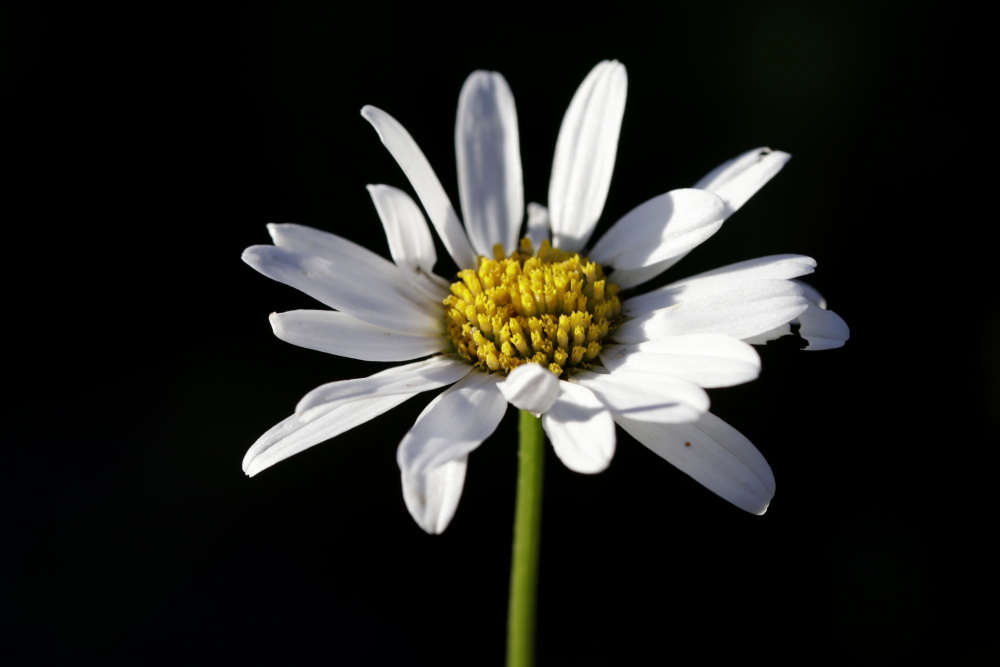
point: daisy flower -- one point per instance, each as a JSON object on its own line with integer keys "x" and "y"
{"x": 545, "y": 322}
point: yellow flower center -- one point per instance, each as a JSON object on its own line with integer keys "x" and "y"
{"x": 551, "y": 308}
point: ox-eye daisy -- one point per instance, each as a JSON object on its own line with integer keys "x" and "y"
{"x": 546, "y": 322}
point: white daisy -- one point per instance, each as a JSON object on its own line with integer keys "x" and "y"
{"x": 549, "y": 327}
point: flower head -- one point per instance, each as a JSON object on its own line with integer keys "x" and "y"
{"x": 546, "y": 322}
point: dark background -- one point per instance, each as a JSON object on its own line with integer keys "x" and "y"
{"x": 145, "y": 148}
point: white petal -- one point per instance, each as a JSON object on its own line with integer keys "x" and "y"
{"x": 626, "y": 278}
{"x": 585, "y": 155}
{"x": 714, "y": 454}
{"x": 662, "y": 228}
{"x": 489, "y": 163}
{"x": 738, "y": 179}
{"x": 708, "y": 360}
{"x": 538, "y": 224}
{"x": 346, "y": 336}
{"x": 581, "y": 429}
{"x": 410, "y": 242}
{"x": 293, "y": 435}
{"x": 311, "y": 241}
{"x": 531, "y": 387}
{"x": 646, "y": 396}
{"x": 768, "y": 336}
{"x": 740, "y": 312}
{"x": 721, "y": 280}
{"x": 423, "y": 179}
{"x": 411, "y": 378}
{"x": 822, "y": 329}
{"x": 453, "y": 424}
{"x": 381, "y": 299}
{"x": 432, "y": 497}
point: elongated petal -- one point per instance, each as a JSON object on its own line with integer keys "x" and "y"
{"x": 375, "y": 298}
{"x": 411, "y": 378}
{"x": 626, "y": 278}
{"x": 738, "y": 179}
{"x": 410, "y": 242}
{"x": 432, "y": 497}
{"x": 423, "y": 179}
{"x": 708, "y": 360}
{"x": 646, "y": 396}
{"x": 581, "y": 429}
{"x": 453, "y": 424}
{"x": 714, "y": 454}
{"x": 585, "y": 155}
{"x": 531, "y": 387}
{"x": 489, "y": 163}
{"x": 294, "y": 435}
{"x": 662, "y": 228}
{"x": 747, "y": 310}
{"x": 538, "y": 224}
{"x": 311, "y": 241}
{"x": 346, "y": 336}
{"x": 721, "y": 280}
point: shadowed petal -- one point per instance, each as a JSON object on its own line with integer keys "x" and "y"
{"x": 581, "y": 429}
{"x": 740, "y": 178}
{"x": 708, "y": 360}
{"x": 453, "y": 424}
{"x": 646, "y": 396}
{"x": 432, "y": 496}
{"x": 346, "y": 336}
{"x": 531, "y": 387}
{"x": 714, "y": 454}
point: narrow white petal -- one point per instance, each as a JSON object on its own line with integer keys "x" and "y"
{"x": 585, "y": 155}
{"x": 489, "y": 162}
{"x": 740, "y": 178}
{"x": 453, "y": 424}
{"x": 311, "y": 241}
{"x": 538, "y": 224}
{"x": 410, "y": 242}
{"x": 720, "y": 280}
{"x": 646, "y": 396}
{"x": 411, "y": 378}
{"x": 626, "y": 278}
{"x": 662, "y": 228}
{"x": 423, "y": 179}
{"x": 822, "y": 329}
{"x": 294, "y": 435}
{"x": 714, "y": 454}
{"x": 708, "y": 360}
{"x": 531, "y": 387}
{"x": 432, "y": 497}
{"x": 377, "y": 298}
{"x": 346, "y": 336}
{"x": 739, "y": 312}
{"x": 581, "y": 429}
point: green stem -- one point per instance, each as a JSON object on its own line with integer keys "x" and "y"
{"x": 527, "y": 535}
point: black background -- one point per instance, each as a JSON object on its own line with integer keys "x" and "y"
{"x": 146, "y": 147}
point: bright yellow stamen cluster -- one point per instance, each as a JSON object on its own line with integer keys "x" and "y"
{"x": 551, "y": 308}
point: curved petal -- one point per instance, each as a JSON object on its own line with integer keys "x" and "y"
{"x": 708, "y": 360}
{"x": 714, "y": 454}
{"x": 531, "y": 387}
{"x": 626, "y": 278}
{"x": 720, "y": 280}
{"x": 647, "y": 397}
{"x": 538, "y": 224}
{"x": 743, "y": 311}
{"x": 740, "y": 178}
{"x": 423, "y": 179}
{"x": 489, "y": 163}
{"x": 378, "y": 299}
{"x": 294, "y": 435}
{"x": 662, "y": 228}
{"x": 346, "y": 336}
{"x": 432, "y": 497}
{"x": 412, "y": 378}
{"x": 581, "y": 429}
{"x": 305, "y": 240}
{"x": 453, "y": 424}
{"x": 822, "y": 329}
{"x": 585, "y": 155}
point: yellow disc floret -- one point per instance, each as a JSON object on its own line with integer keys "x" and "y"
{"x": 551, "y": 308}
